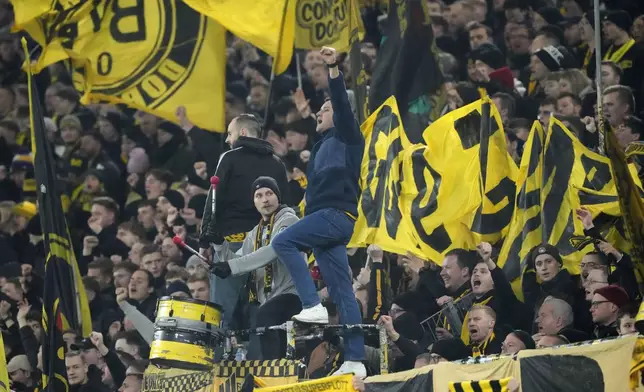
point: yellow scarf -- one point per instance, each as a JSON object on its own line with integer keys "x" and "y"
{"x": 587, "y": 58}
{"x": 479, "y": 349}
{"x": 616, "y": 55}
{"x": 532, "y": 86}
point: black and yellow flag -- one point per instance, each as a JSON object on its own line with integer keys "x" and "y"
{"x": 630, "y": 201}
{"x": 558, "y": 176}
{"x": 4, "y": 376}
{"x": 480, "y": 386}
{"x": 65, "y": 303}
{"x": 359, "y": 77}
{"x": 153, "y": 55}
{"x": 326, "y": 23}
{"x": 525, "y": 227}
{"x": 267, "y": 24}
{"x": 432, "y": 197}
{"x": 407, "y": 67}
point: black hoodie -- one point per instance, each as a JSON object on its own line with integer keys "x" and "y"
{"x": 237, "y": 170}
{"x": 93, "y": 384}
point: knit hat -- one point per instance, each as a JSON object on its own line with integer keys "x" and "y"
{"x": 267, "y": 182}
{"x": 19, "y": 362}
{"x": 525, "y": 338}
{"x": 175, "y": 286}
{"x": 237, "y": 90}
{"x": 71, "y": 121}
{"x": 197, "y": 203}
{"x": 551, "y": 15}
{"x": 490, "y": 55}
{"x": 555, "y": 59}
{"x": 138, "y": 161}
{"x": 452, "y": 349}
{"x": 25, "y": 209}
{"x": 614, "y": 294}
{"x": 175, "y": 198}
{"x": 22, "y": 161}
{"x": 546, "y": 249}
{"x": 619, "y": 18}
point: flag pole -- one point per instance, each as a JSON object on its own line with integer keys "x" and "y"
{"x": 276, "y": 60}
{"x": 598, "y": 79}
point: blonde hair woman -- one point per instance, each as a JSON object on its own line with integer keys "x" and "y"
{"x": 574, "y": 81}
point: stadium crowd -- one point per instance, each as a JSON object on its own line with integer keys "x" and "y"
{"x": 132, "y": 182}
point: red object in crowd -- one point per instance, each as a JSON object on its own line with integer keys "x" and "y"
{"x": 315, "y": 273}
{"x": 214, "y": 180}
{"x": 177, "y": 240}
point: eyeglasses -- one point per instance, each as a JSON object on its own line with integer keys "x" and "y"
{"x": 595, "y": 304}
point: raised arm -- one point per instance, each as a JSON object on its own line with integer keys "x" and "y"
{"x": 343, "y": 118}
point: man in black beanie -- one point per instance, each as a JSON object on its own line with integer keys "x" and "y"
{"x": 270, "y": 286}
{"x": 623, "y": 51}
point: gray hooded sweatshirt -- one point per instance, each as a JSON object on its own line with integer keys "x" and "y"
{"x": 247, "y": 259}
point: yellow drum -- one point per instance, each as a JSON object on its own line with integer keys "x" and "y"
{"x": 186, "y": 334}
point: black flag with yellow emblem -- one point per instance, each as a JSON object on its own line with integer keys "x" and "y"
{"x": 64, "y": 301}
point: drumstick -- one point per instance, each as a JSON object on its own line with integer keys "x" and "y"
{"x": 179, "y": 242}
{"x": 214, "y": 180}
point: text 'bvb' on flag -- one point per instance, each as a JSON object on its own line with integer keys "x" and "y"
{"x": 65, "y": 303}
{"x": 432, "y": 197}
{"x": 153, "y": 55}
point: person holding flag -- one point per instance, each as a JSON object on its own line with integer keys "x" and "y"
{"x": 331, "y": 207}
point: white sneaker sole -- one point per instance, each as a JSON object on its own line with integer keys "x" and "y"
{"x": 308, "y": 321}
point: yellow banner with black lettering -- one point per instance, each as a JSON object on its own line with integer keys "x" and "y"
{"x": 326, "y": 23}
{"x": 4, "y": 376}
{"x": 326, "y": 384}
{"x": 267, "y": 24}
{"x": 272, "y": 373}
{"x": 154, "y": 56}
{"x": 557, "y": 176}
{"x": 454, "y": 191}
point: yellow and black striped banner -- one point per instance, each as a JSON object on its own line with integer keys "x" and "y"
{"x": 480, "y": 386}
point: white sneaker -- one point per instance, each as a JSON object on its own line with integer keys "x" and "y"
{"x": 352, "y": 367}
{"x": 314, "y": 315}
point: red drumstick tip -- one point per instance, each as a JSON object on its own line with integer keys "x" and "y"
{"x": 214, "y": 180}
{"x": 177, "y": 240}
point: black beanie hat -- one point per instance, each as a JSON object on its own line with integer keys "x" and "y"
{"x": 525, "y": 338}
{"x": 619, "y": 18}
{"x": 197, "y": 203}
{"x": 452, "y": 349}
{"x": 175, "y": 286}
{"x": 408, "y": 326}
{"x": 175, "y": 198}
{"x": 267, "y": 182}
{"x": 546, "y": 249}
{"x": 490, "y": 55}
{"x": 551, "y": 57}
{"x": 551, "y": 15}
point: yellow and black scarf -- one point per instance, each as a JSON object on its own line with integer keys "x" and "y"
{"x": 262, "y": 238}
{"x": 615, "y": 54}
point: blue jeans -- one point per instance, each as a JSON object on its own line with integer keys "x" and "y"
{"x": 225, "y": 292}
{"x": 327, "y": 232}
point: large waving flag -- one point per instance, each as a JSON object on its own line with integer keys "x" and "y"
{"x": 4, "y": 376}
{"x": 65, "y": 303}
{"x": 267, "y": 24}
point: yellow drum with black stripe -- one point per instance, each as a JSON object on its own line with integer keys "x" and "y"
{"x": 187, "y": 331}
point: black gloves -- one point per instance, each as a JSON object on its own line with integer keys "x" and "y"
{"x": 222, "y": 270}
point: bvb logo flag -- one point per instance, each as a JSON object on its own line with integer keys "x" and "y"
{"x": 154, "y": 56}
{"x": 326, "y": 23}
{"x": 380, "y": 219}
{"x": 4, "y": 376}
{"x": 65, "y": 303}
{"x": 480, "y": 386}
{"x": 267, "y": 24}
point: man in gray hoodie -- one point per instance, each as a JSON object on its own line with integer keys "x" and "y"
{"x": 270, "y": 285}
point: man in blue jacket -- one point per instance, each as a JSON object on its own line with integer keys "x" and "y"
{"x": 331, "y": 209}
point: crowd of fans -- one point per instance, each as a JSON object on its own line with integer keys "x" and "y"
{"x": 132, "y": 182}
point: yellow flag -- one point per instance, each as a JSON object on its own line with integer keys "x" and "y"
{"x": 25, "y": 11}
{"x": 326, "y": 384}
{"x": 327, "y": 23}
{"x": 380, "y": 219}
{"x": 4, "y": 376}
{"x": 525, "y": 228}
{"x": 154, "y": 56}
{"x": 267, "y": 24}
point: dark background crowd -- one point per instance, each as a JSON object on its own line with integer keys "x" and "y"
{"x": 132, "y": 182}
